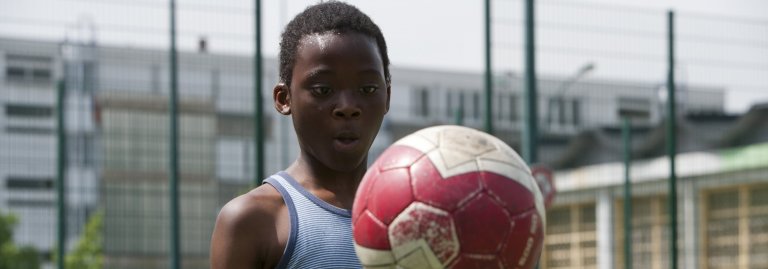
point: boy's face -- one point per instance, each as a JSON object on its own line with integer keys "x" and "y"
{"x": 337, "y": 98}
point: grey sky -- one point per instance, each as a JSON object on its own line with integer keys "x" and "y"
{"x": 447, "y": 34}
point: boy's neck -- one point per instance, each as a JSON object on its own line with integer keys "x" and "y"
{"x": 335, "y": 187}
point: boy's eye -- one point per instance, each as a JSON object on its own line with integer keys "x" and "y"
{"x": 369, "y": 89}
{"x": 320, "y": 90}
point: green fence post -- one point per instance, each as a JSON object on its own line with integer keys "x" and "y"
{"x": 530, "y": 106}
{"x": 258, "y": 132}
{"x": 530, "y": 128}
{"x": 672, "y": 141}
{"x": 488, "y": 117}
{"x": 61, "y": 170}
{"x": 173, "y": 186}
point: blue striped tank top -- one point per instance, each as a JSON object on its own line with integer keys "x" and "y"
{"x": 320, "y": 235}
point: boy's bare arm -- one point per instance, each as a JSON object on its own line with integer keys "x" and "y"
{"x": 245, "y": 235}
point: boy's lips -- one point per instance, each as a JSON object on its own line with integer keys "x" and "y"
{"x": 346, "y": 141}
{"x": 345, "y": 135}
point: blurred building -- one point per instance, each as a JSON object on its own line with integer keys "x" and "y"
{"x": 117, "y": 123}
{"x": 722, "y": 197}
{"x": 28, "y": 145}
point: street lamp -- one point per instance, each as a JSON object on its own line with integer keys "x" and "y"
{"x": 558, "y": 99}
{"x": 584, "y": 70}
{"x": 627, "y": 114}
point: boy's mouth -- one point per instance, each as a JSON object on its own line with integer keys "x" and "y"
{"x": 346, "y": 141}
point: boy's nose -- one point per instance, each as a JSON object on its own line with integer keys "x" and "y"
{"x": 347, "y": 108}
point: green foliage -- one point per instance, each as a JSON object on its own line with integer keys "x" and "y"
{"x": 11, "y": 256}
{"x": 88, "y": 251}
{"x": 6, "y": 228}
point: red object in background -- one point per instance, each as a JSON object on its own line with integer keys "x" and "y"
{"x": 545, "y": 178}
{"x": 448, "y": 197}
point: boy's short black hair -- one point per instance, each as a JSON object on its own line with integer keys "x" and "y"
{"x": 323, "y": 17}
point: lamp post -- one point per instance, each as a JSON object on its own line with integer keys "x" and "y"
{"x": 626, "y": 115}
{"x": 558, "y": 99}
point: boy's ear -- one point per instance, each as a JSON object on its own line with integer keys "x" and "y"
{"x": 282, "y": 96}
{"x": 389, "y": 93}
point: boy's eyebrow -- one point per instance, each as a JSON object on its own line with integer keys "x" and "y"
{"x": 325, "y": 71}
{"x": 371, "y": 71}
{"x": 319, "y": 71}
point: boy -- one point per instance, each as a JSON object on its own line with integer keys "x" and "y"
{"x": 335, "y": 85}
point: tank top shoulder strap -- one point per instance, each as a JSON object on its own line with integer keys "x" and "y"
{"x": 320, "y": 233}
{"x": 281, "y": 185}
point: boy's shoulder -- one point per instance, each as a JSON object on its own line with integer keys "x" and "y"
{"x": 249, "y": 231}
{"x": 253, "y": 208}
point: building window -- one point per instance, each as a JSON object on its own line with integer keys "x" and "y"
{"x": 458, "y": 109}
{"x": 576, "y": 112}
{"x": 155, "y": 78}
{"x": 215, "y": 83}
{"x": 35, "y": 203}
{"x": 81, "y": 150}
{"x": 570, "y": 230}
{"x": 500, "y": 107}
{"x": 506, "y": 107}
{"x": 476, "y": 105}
{"x": 13, "y": 183}
{"x": 81, "y": 75}
{"x": 552, "y": 111}
{"x": 28, "y": 111}
{"x": 650, "y": 224}
{"x": 89, "y": 77}
{"x": 27, "y": 130}
{"x": 421, "y": 104}
{"x": 449, "y": 104}
{"x": 137, "y": 142}
{"x": 425, "y": 102}
{"x": 736, "y": 228}
{"x": 635, "y": 106}
{"x": 28, "y": 69}
{"x": 15, "y": 73}
{"x": 514, "y": 115}
{"x": 563, "y": 112}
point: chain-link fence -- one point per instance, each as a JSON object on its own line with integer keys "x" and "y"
{"x": 598, "y": 66}
{"x": 603, "y": 71}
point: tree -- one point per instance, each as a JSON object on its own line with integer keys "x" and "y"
{"x": 88, "y": 251}
{"x": 12, "y": 256}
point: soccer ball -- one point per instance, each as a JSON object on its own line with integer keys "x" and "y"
{"x": 448, "y": 197}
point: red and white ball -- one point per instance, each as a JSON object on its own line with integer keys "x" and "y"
{"x": 448, "y": 197}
